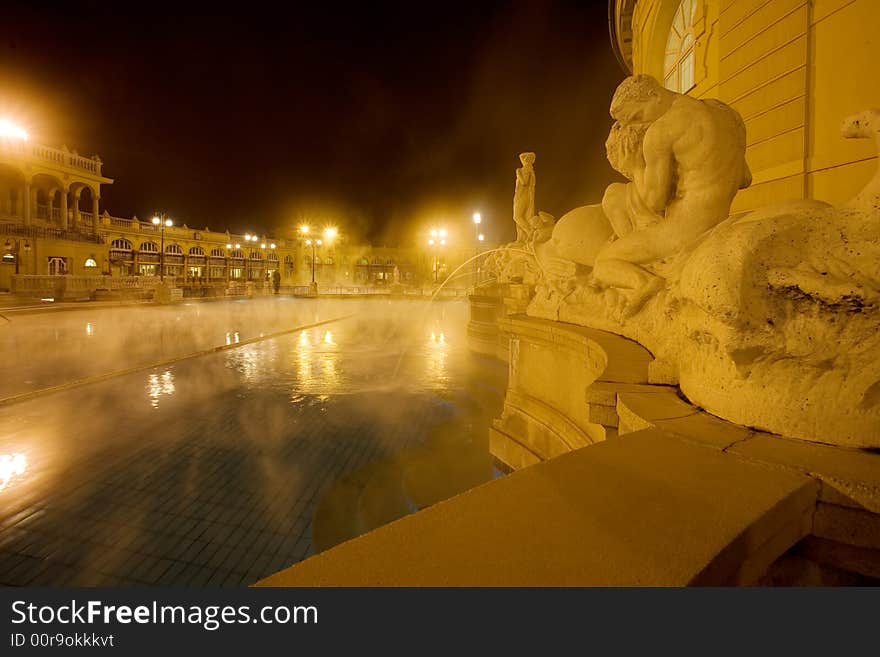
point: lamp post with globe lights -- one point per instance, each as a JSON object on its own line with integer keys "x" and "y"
{"x": 163, "y": 222}
{"x": 329, "y": 233}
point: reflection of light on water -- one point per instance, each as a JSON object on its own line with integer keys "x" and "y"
{"x": 158, "y": 385}
{"x": 255, "y": 362}
{"x": 317, "y": 364}
{"x": 437, "y": 355}
{"x": 11, "y": 466}
{"x": 88, "y": 328}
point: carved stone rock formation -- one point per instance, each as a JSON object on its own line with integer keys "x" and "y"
{"x": 771, "y": 319}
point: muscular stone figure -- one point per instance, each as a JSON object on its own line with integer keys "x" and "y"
{"x": 694, "y": 163}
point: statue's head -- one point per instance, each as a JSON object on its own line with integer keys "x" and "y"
{"x": 527, "y": 158}
{"x": 640, "y": 99}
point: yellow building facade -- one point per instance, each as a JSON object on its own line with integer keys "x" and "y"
{"x": 55, "y": 242}
{"x": 794, "y": 69}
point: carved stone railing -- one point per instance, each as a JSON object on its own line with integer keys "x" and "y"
{"x": 57, "y": 156}
{"x": 48, "y": 232}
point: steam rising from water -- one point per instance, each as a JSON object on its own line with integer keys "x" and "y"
{"x": 255, "y": 434}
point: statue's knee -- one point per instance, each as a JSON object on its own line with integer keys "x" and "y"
{"x": 614, "y": 197}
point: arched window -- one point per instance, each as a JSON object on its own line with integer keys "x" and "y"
{"x": 256, "y": 255}
{"x": 174, "y": 248}
{"x": 678, "y": 64}
{"x": 218, "y": 253}
{"x": 91, "y": 263}
{"x": 328, "y": 260}
{"x": 272, "y": 256}
{"x": 120, "y": 245}
{"x": 196, "y": 251}
{"x": 148, "y": 247}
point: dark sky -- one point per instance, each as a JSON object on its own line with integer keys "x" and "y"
{"x": 381, "y": 117}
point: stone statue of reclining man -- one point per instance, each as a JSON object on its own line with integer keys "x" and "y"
{"x": 692, "y": 163}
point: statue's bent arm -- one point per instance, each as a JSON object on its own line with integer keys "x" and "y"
{"x": 657, "y": 185}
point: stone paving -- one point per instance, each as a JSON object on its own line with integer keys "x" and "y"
{"x": 208, "y": 473}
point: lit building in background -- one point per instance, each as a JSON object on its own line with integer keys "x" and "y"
{"x": 51, "y": 226}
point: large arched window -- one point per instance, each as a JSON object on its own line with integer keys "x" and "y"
{"x": 678, "y": 64}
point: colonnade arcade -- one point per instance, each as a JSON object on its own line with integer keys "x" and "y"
{"x": 45, "y": 199}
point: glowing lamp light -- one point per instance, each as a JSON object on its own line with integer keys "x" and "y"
{"x": 308, "y": 242}
{"x": 156, "y": 221}
{"x": 430, "y": 242}
{"x": 477, "y": 218}
{"x": 481, "y": 237}
{"x": 237, "y": 245}
{"x": 434, "y": 232}
{"x": 263, "y": 245}
{"x": 247, "y": 237}
{"x": 228, "y": 246}
{"x": 442, "y": 242}
{"x": 169, "y": 223}
{"x": 318, "y": 242}
{"x": 272, "y": 245}
{"x": 11, "y": 466}
{"x": 442, "y": 232}
{"x": 304, "y": 229}
{"x": 10, "y": 130}
{"x": 330, "y": 233}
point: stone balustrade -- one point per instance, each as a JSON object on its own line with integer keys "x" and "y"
{"x": 57, "y": 156}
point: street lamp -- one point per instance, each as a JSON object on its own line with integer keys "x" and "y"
{"x": 436, "y": 240}
{"x": 164, "y": 222}
{"x": 478, "y": 219}
{"x": 313, "y": 244}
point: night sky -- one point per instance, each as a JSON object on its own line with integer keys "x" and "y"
{"x": 381, "y": 117}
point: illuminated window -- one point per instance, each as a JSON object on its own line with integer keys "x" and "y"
{"x": 174, "y": 249}
{"x": 90, "y": 262}
{"x": 678, "y": 64}
{"x": 149, "y": 247}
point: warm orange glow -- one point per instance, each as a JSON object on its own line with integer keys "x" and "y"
{"x": 156, "y": 221}
{"x": 10, "y": 130}
{"x": 304, "y": 229}
{"x": 477, "y": 218}
{"x": 330, "y": 233}
{"x": 11, "y": 465}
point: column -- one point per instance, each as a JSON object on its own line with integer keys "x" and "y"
{"x": 35, "y": 214}
{"x": 50, "y": 205}
{"x": 27, "y": 202}
{"x": 95, "y": 200}
{"x": 64, "y": 218}
{"x": 75, "y": 209}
